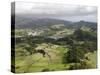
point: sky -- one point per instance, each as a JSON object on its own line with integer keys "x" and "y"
{"x": 58, "y": 11}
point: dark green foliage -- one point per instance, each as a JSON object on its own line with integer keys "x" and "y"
{"x": 66, "y": 40}
{"x": 85, "y": 35}
{"x": 75, "y": 66}
{"x": 89, "y": 46}
{"x": 45, "y": 70}
{"x": 83, "y": 64}
{"x": 73, "y": 55}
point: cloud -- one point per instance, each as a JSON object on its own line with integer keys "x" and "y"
{"x": 57, "y": 10}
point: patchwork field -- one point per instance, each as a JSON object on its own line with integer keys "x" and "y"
{"x": 66, "y": 49}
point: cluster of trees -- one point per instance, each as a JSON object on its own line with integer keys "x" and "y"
{"x": 85, "y": 35}
{"x": 77, "y": 51}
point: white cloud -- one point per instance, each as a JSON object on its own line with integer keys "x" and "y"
{"x": 57, "y": 10}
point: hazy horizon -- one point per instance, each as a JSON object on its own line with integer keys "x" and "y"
{"x": 67, "y": 12}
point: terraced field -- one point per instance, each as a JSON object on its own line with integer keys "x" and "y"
{"x": 36, "y": 62}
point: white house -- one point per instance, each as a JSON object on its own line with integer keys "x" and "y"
{"x": 32, "y": 33}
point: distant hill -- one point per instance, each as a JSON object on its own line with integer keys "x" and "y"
{"x": 79, "y": 24}
{"x": 28, "y": 21}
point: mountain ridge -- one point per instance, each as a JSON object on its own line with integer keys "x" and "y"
{"x": 30, "y": 22}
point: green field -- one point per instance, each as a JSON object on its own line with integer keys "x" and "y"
{"x": 61, "y": 49}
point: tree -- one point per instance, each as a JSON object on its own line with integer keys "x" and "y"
{"x": 73, "y": 55}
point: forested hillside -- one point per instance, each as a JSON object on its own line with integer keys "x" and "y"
{"x": 52, "y": 45}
